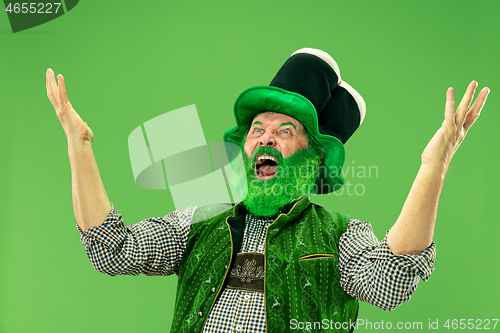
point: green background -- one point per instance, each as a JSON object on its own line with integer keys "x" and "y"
{"x": 127, "y": 62}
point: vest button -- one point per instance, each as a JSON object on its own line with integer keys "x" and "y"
{"x": 213, "y": 289}
{"x": 225, "y": 267}
{"x": 200, "y": 314}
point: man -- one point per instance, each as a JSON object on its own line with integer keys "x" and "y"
{"x": 274, "y": 260}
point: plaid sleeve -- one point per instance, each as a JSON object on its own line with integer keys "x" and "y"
{"x": 370, "y": 272}
{"x": 153, "y": 246}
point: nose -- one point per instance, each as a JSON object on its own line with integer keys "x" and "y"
{"x": 268, "y": 140}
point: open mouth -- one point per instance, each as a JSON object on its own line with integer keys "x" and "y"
{"x": 265, "y": 166}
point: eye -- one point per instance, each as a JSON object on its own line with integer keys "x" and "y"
{"x": 286, "y": 133}
{"x": 257, "y": 132}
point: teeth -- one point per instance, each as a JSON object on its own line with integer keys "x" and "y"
{"x": 267, "y": 157}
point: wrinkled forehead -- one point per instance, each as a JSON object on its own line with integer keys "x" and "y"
{"x": 281, "y": 118}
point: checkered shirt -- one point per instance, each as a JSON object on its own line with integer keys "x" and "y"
{"x": 155, "y": 246}
{"x": 370, "y": 272}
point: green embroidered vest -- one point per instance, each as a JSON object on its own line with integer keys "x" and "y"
{"x": 302, "y": 281}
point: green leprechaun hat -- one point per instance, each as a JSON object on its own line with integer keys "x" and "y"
{"x": 308, "y": 87}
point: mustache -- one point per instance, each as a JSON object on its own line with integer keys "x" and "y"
{"x": 261, "y": 150}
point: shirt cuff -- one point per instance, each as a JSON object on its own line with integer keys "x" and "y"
{"x": 111, "y": 232}
{"x": 422, "y": 264}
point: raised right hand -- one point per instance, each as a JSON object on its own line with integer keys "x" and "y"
{"x": 73, "y": 125}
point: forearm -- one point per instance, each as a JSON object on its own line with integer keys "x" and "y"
{"x": 413, "y": 231}
{"x": 90, "y": 201}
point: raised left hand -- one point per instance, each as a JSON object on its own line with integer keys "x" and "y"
{"x": 445, "y": 142}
